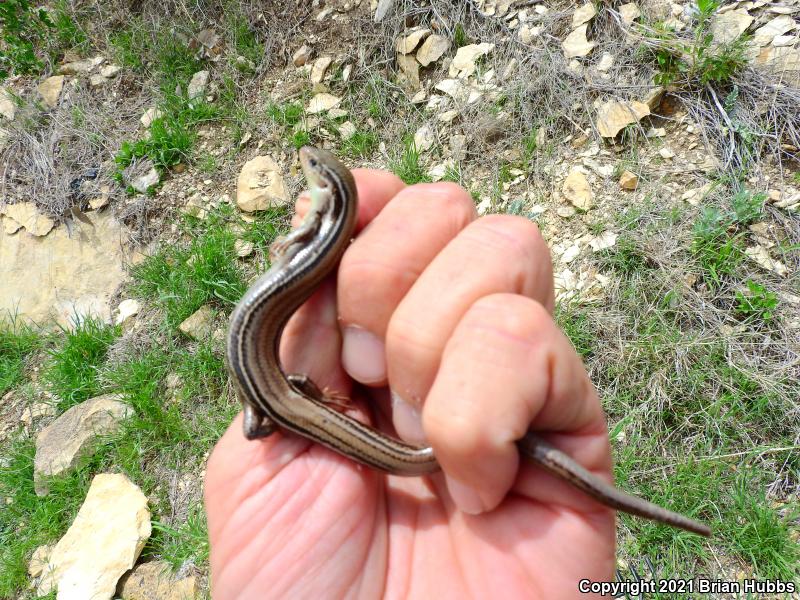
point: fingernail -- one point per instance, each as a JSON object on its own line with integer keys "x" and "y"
{"x": 407, "y": 420}
{"x": 466, "y": 498}
{"x": 363, "y": 355}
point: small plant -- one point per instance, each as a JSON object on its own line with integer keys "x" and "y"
{"x": 300, "y": 138}
{"x": 360, "y": 145}
{"x": 460, "y": 36}
{"x": 747, "y": 207}
{"x": 17, "y": 341}
{"x": 407, "y": 166}
{"x": 759, "y": 304}
{"x": 718, "y": 253}
{"x": 529, "y": 147}
{"x": 287, "y": 115}
{"x": 22, "y": 27}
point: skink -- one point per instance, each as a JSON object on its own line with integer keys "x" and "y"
{"x": 272, "y": 398}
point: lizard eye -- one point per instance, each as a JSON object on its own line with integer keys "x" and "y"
{"x": 313, "y": 162}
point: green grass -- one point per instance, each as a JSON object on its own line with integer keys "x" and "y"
{"x": 758, "y": 305}
{"x": 17, "y": 342}
{"x": 360, "y": 145}
{"x": 407, "y": 166}
{"x": 182, "y": 279}
{"x": 71, "y": 372}
{"x": 288, "y": 115}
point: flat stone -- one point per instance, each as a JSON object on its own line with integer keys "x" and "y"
{"x": 605, "y": 63}
{"x": 59, "y": 276}
{"x": 347, "y": 130}
{"x": 73, "y": 436}
{"x": 613, "y": 116}
{"x": 728, "y": 26}
{"x": 773, "y": 28}
{"x": 261, "y": 185}
{"x": 197, "y": 85}
{"x": 576, "y": 189}
{"x": 8, "y": 108}
{"x": 301, "y": 56}
{"x": 432, "y": 49}
{"x": 409, "y": 42}
{"x": 150, "y": 115}
{"x": 424, "y": 138}
{"x": 629, "y": 13}
{"x": 80, "y": 66}
{"x": 50, "y": 90}
{"x": 155, "y": 581}
{"x": 576, "y": 44}
{"x": 110, "y": 71}
{"x": 628, "y": 180}
{"x": 26, "y": 215}
{"x": 409, "y": 67}
{"x": 199, "y": 324}
{"x": 322, "y": 102}
{"x": 319, "y": 68}
{"x": 103, "y": 542}
{"x": 126, "y": 310}
{"x": 465, "y": 61}
{"x": 583, "y": 14}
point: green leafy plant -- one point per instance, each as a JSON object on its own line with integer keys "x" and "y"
{"x": 460, "y": 37}
{"x": 758, "y": 304}
{"x": 22, "y": 27}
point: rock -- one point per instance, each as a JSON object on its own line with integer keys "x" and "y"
{"x": 614, "y": 115}
{"x": 760, "y": 256}
{"x": 409, "y": 68}
{"x": 666, "y": 153}
{"x": 50, "y": 90}
{"x": 39, "y": 560}
{"x": 510, "y": 69}
{"x": 654, "y": 97}
{"x": 104, "y": 541}
{"x": 322, "y": 102}
{"x": 98, "y": 202}
{"x": 8, "y": 108}
{"x": 37, "y": 410}
{"x": 302, "y": 55}
{"x": 409, "y": 42}
{"x": 336, "y": 113}
{"x": 155, "y": 581}
{"x": 656, "y": 132}
{"x": 25, "y": 214}
{"x": 150, "y": 115}
{"x": 629, "y": 13}
{"x": 784, "y": 40}
{"x": 74, "y": 435}
{"x": 97, "y": 80}
{"x": 773, "y": 28}
{"x": 347, "y": 130}
{"x": 583, "y": 14}
{"x": 110, "y": 71}
{"x": 319, "y": 67}
{"x": 199, "y": 324}
{"x": 59, "y": 276}
{"x": 628, "y": 180}
{"x": 142, "y": 183}
{"x": 346, "y": 71}
{"x": 243, "y": 248}
{"x": 576, "y": 44}
{"x": 605, "y": 63}
{"x": 424, "y": 138}
{"x": 80, "y": 66}
{"x": 527, "y": 33}
{"x": 782, "y": 61}
{"x": 576, "y": 189}
{"x": 432, "y": 49}
{"x": 728, "y": 26}
{"x": 197, "y": 85}
{"x": 464, "y": 62}
{"x": 261, "y": 185}
{"x": 126, "y": 310}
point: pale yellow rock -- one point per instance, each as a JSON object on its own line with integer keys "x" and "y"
{"x": 613, "y": 116}
{"x": 199, "y": 324}
{"x": 728, "y": 26}
{"x": 654, "y": 97}
{"x": 629, "y": 13}
{"x": 243, "y": 248}
{"x": 73, "y": 436}
{"x": 347, "y": 130}
{"x": 583, "y": 14}
{"x": 409, "y": 67}
{"x": 155, "y": 581}
{"x": 408, "y": 43}
{"x": 424, "y": 138}
{"x": 761, "y": 256}
{"x": 50, "y": 90}
{"x": 773, "y": 28}
{"x": 29, "y": 217}
{"x": 103, "y": 542}
{"x": 604, "y": 241}
{"x": 432, "y": 49}
{"x": 465, "y": 61}
{"x": 80, "y": 66}
{"x": 576, "y": 189}
{"x": 55, "y": 277}
{"x": 39, "y": 560}
{"x": 8, "y": 108}
{"x": 605, "y": 63}
{"x": 576, "y": 44}
{"x": 150, "y": 115}
{"x": 126, "y": 310}
{"x": 319, "y": 68}
{"x": 322, "y": 102}
{"x": 628, "y": 180}
{"x": 261, "y": 185}
{"x": 301, "y": 56}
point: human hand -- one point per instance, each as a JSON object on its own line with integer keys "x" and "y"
{"x": 455, "y": 312}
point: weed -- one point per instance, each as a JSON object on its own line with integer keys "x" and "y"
{"x": 245, "y": 41}
{"x": 360, "y": 144}
{"x": 208, "y": 163}
{"x": 452, "y": 172}
{"x": 529, "y": 147}
{"x": 300, "y": 138}
{"x": 574, "y": 322}
{"x": 287, "y": 115}
{"x": 67, "y": 33}
{"x": 187, "y": 542}
{"x": 72, "y": 371}
{"x": 625, "y": 257}
{"x": 22, "y": 28}
{"x": 747, "y": 207}
{"x": 460, "y": 37}
{"x": 407, "y": 165}
{"x": 759, "y": 304}
{"x": 17, "y": 341}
